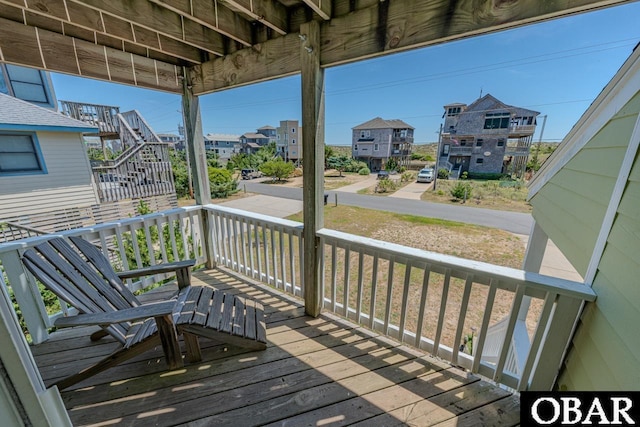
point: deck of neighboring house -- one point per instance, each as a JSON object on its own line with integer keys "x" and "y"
{"x": 315, "y": 371}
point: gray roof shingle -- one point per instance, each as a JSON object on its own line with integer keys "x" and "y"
{"x": 380, "y": 123}
{"x": 16, "y": 113}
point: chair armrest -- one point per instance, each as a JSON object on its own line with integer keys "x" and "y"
{"x": 127, "y": 315}
{"x": 156, "y": 269}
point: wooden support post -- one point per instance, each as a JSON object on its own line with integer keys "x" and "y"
{"x": 313, "y": 162}
{"x": 196, "y": 152}
{"x": 194, "y": 141}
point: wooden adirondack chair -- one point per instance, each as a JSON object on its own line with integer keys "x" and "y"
{"x": 84, "y": 279}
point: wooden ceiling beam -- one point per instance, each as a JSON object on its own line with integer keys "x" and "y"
{"x": 269, "y": 12}
{"x": 38, "y": 48}
{"x": 387, "y": 27}
{"x": 321, "y": 7}
{"x": 278, "y": 57}
{"x": 161, "y": 20}
{"x": 84, "y": 23}
{"x": 212, "y": 14}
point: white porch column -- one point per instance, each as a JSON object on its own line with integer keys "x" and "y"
{"x": 194, "y": 141}
{"x": 313, "y": 162}
{"x": 536, "y": 247}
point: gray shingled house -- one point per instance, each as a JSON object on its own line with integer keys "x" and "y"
{"x": 486, "y": 136}
{"x": 376, "y": 141}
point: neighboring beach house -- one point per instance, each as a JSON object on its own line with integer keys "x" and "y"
{"x": 586, "y": 199}
{"x": 486, "y": 136}
{"x": 37, "y": 148}
{"x": 174, "y": 141}
{"x": 376, "y": 141}
{"x": 289, "y": 140}
{"x": 223, "y": 145}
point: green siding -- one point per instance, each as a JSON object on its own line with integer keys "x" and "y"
{"x": 570, "y": 207}
{"x": 605, "y": 354}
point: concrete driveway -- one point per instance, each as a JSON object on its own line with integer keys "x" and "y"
{"x": 412, "y": 190}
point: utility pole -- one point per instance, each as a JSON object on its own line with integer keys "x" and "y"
{"x": 435, "y": 172}
{"x": 539, "y": 144}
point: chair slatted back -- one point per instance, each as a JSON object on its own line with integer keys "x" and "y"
{"x": 88, "y": 284}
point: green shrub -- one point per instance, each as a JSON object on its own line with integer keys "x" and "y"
{"x": 407, "y": 176}
{"x": 462, "y": 190}
{"x": 464, "y": 175}
{"x": 391, "y": 165}
{"x": 354, "y": 166}
{"x": 222, "y": 183}
{"x": 386, "y": 185}
{"x": 364, "y": 171}
{"x": 443, "y": 173}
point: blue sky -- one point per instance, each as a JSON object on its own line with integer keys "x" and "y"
{"x": 556, "y": 67}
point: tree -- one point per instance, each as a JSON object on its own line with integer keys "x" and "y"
{"x": 338, "y": 163}
{"x": 461, "y": 190}
{"x": 180, "y": 172}
{"x": 328, "y": 152}
{"x": 277, "y": 169}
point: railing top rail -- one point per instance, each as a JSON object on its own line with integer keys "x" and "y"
{"x": 255, "y": 216}
{"x": 87, "y": 104}
{"x": 21, "y": 227}
{"x": 32, "y": 241}
{"x": 476, "y": 268}
{"x": 148, "y": 128}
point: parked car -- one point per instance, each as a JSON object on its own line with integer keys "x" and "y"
{"x": 383, "y": 175}
{"x": 250, "y": 173}
{"x": 425, "y": 175}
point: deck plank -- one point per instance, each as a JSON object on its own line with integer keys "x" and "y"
{"x": 314, "y": 371}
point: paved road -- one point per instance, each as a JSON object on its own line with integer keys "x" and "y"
{"x": 519, "y": 223}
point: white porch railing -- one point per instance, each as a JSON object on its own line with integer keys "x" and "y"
{"x": 424, "y": 299}
{"x": 264, "y": 248}
{"x": 433, "y": 301}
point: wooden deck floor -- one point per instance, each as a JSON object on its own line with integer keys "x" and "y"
{"x": 314, "y": 372}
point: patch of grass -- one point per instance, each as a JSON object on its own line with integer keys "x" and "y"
{"x": 500, "y": 195}
{"x": 415, "y": 219}
{"x": 437, "y": 235}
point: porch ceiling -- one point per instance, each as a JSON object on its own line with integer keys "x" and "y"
{"x": 228, "y": 43}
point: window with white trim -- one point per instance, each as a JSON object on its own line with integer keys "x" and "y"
{"x": 375, "y": 147}
{"x": 20, "y": 154}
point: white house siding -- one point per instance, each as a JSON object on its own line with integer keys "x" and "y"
{"x": 572, "y": 204}
{"x": 67, "y": 183}
{"x": 606, "y": 348}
